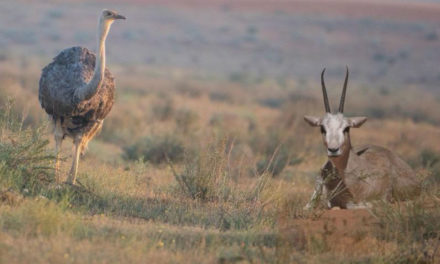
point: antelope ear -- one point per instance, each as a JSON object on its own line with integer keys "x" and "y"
{"x": 313, "y": 120}
{"x": 357, "y": 121}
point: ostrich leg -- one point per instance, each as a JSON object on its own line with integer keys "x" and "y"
{"x": 58, "y": 142}
{"x": 72, "y": 174}
{"x": 89, "y": 135}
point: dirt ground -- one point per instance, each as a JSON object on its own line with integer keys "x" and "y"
{"x": 343, "y": 231}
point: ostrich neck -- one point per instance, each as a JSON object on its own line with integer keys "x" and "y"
{"x": 100, "y": 58}
{"x": 90, "y": 89}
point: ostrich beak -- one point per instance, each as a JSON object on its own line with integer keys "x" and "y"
{"x": 119, "y": 16}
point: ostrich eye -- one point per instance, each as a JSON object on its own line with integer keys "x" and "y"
{"x": 323, "y": 130}
{"x": 108, "y": 14}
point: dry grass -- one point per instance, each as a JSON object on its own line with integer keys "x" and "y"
{"x": 212, "y": 206}
{"x": 241, "y": 161}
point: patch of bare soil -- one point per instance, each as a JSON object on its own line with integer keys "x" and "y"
{"x": 348, "y": 232}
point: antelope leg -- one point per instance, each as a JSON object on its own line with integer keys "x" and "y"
{"x": 316, "y": 196}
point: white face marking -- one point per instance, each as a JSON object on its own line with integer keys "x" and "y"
{"x": 333, "y": 126}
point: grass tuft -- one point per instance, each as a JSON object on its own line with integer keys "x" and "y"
{"x": 156, "y": 149}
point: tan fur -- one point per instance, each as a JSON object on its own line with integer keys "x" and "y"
{"x": 365, "y": 174}
{"x": 357, "y": 176}
{"x": 372, "y": 173}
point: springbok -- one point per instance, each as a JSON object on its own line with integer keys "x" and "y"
{"x": 352, "y": 177}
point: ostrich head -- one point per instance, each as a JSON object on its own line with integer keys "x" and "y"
{"x": 110, "y": 16}
{"x": 335, "y": 128}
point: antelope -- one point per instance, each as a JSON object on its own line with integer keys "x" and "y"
{"x": 352, "y": 177}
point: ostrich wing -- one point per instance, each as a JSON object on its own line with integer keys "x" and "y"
{"x": 70, "y": 70}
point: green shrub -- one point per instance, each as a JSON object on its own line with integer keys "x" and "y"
{"x": 185, "y": 120}
{"x": 221, "y": 96}
{"x": 276, "y": 153}
{"x": 375, "y": 112}
{"x": 25, "y": 162}
{"x": 164, "y": 109}
{"x": 413, "y": 226}
{"x": 238, "y": 77}
{"x": 274, "y": 164}
{"x": 205, "y": 175}
{"x": 429, "y": 160}
{"x": 156, "y": 149}
{"x": 272, "y": 102}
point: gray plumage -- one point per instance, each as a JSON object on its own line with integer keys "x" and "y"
{"x": 71, "y": 69}
{"x": 77, "y": 91}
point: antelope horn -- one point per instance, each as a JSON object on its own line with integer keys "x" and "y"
{"x": 324, "y": 93}
{"x": 344, "y": 90}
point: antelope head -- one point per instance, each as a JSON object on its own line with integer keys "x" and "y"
{"x": 335, "y": 128}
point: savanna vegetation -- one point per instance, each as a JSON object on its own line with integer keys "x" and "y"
{"x": 181, "y": 174}
{"x": 212, "y": 169}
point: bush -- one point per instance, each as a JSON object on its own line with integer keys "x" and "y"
{"x": 185, "y": 119}
{"x": 429, "y": 158}
{"x": 221, "y": 96}
{"x": 25, "y": 163}
{"x": 164, "y": 109}
{"x": 156, "y": 149}
{"x": 274, "y": 164}
{"x": 275, "y": 152}
{"x": 272, "y": 102}
{"x": 239, "y": 77}
{"x": 411, "y": 225}
{"x": 375, "y": 112}
{"x": 431, "y": 36}
{"x": 431, "y": 161}
{"x": 205, "y": 175}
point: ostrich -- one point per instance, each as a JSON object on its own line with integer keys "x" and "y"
{"x": 355, "y": 176}
{"x": 77, "y": 92}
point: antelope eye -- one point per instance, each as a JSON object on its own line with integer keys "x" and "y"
{"x": 323, "y": 130}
